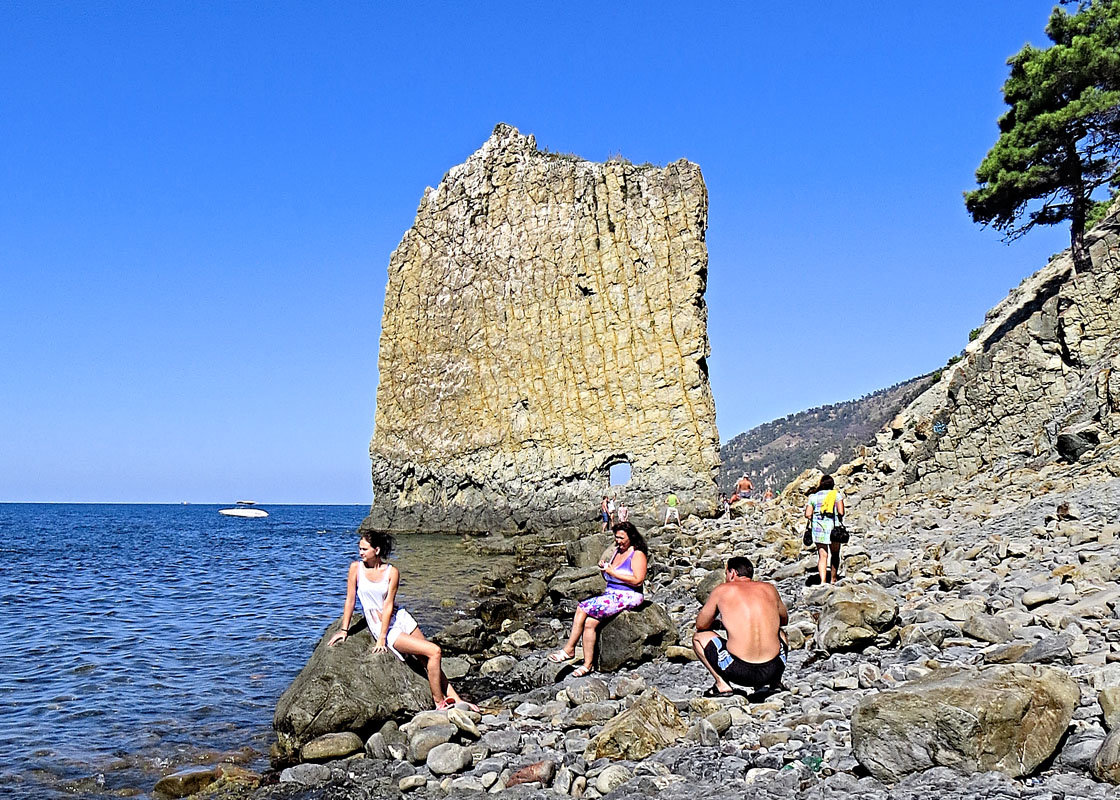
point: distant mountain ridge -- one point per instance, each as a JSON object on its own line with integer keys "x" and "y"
{"x": 820, "y": 437}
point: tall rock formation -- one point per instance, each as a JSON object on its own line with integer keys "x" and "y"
{"x": 544, "y": 320}
{"x": 1040, "y": 382}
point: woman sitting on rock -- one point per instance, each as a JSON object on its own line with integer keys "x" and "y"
{"x": 374, "y": 582}
{"x": 823, "y": 508}
{"x": 624, "y": 568}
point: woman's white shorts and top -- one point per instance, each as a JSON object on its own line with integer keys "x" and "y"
{"x": 372, "y": 594}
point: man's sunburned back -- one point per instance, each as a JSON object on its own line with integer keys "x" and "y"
{"x": 751, "y": 613}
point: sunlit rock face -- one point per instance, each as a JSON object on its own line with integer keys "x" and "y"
{"x": 544, "y": 320}
{"x": 1039, "y": 383}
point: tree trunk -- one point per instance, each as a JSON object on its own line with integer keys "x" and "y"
{"x": 1078, "y": 211}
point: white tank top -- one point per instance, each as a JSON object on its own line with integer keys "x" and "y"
{"x": 372, "y": 595}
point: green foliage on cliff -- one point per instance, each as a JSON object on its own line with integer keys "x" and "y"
{"x": 1060, "y": 139}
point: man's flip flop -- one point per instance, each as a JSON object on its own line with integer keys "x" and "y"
{"x": 714, "y": 691}
{"x": 559, "y": 656}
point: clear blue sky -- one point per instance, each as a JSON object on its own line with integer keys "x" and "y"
{"x": 198, "y": 202}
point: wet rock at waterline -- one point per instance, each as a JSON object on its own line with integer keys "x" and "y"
{"x": 345, "y": 688}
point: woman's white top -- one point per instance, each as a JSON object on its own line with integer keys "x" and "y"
{"x": 372, "y": 594}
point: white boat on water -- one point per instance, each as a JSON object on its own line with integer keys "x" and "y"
{"x": 244, "y": 510}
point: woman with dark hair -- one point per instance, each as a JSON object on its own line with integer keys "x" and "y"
{"x": 624, "y": 568}
{"x": 823, "y": 508}
{"x": 373, "y": 581}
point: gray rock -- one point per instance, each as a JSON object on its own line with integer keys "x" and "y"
{"x": 704, "y": 733}
{"x": 634, "y": 636}
{"x": 467, "y": 635}
{"x": 630, "y": 684}
{"x": 1043, "y": 593}
{"x": 611, "y": 778}
{"x": 461, "y": 720}
{"x": 576, "y": 584}
{"x": 586, "y": 551}
{"x": 709, "y": 582}
{"x": 424, "y": 740}
{"x": 987, "y": 628}
{"x": 854, "y": 615}
{"x": 499, "y": 665}
{"x": 1106, "y": 763}
{"x": 590, "y": 714}
{"x": 345, "y": 688}
{"x": 1004, "y": 718}
{"x": 1109, "y": 699}
{"x": 410, "y": 782}
{"x": 455, "y": 667}
{"x": 503, "y": 740}
{"x": 1050, "y": 650}
{"x": 588, "y": 690}
{"x": 448, "y": 758}
{"x": 1079, "y": 749}
{"x": 720, "y": 720}
{"x": 331, "y": 746}
{"x": 306, "y": 774}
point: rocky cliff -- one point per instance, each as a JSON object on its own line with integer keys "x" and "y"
{"x": 544, "y": 320}
{"x": 1040, "y": 383}
{"x": 775, "y": 452}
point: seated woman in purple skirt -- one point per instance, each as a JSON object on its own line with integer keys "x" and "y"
{"x": 624, "y": 568}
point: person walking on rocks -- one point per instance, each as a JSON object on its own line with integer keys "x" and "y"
{"x": 671, "y": 509}
{"x": 624, "y": 568}
{"x": 373, "y": 582}
{"x": 823, "y": 508}
{"x": 753, "y": 655}
{"x": 605, "y": 514}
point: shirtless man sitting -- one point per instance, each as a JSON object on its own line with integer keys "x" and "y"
{"x": 753, "y": 613}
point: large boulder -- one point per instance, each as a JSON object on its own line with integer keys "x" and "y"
{"x": 345, "y": 688}
{"x": 587, "y": 550}
{"x": 577, "y": 583}
{"x": 853, "y": 615}
{"x": 1003, "y": 718}
{"x": 652, "y": 723}
{"x": 634, "y": 636}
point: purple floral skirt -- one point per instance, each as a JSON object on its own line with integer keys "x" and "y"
{"x": 611, "y": 602}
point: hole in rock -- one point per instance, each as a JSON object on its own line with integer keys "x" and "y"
{"x": 620, "y": 473}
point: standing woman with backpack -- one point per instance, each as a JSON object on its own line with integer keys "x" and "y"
{"x": 824, "y": 509}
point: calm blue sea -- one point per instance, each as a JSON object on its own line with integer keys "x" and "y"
{"x": 138, "y": 638}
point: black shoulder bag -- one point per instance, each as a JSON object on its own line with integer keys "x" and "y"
{"x": 839, "y": 533}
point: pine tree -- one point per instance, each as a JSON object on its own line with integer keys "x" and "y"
{"x": 1060, "y": 139}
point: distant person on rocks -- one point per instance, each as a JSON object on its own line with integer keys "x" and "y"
{"x": 823, "y": 508}
{"x": 768, "y": 495}
{"x": 744, "y": 486}
{"x": 374, "y": 583}
{"x": 623, "y": 512}
{"x": 671, "y": 509}
{"x": 753, "y": 653}
{"x": 611, "y": 509}
{"x": 724, "y": 504}
{"x": 605, "y": 514}
{"x": 624, "y": 568}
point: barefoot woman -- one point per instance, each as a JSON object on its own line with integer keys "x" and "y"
{"x": 624, "y": 568}
{"x": 374, "y": 583}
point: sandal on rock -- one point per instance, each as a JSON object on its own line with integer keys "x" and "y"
{"x": 559, "y": 656}
{"x": 581, "y": 671}
{"x": 715, "y": 691}
{"x": 445, "y": 704}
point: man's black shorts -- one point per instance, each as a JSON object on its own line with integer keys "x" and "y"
{"x": 744, "y": 673}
